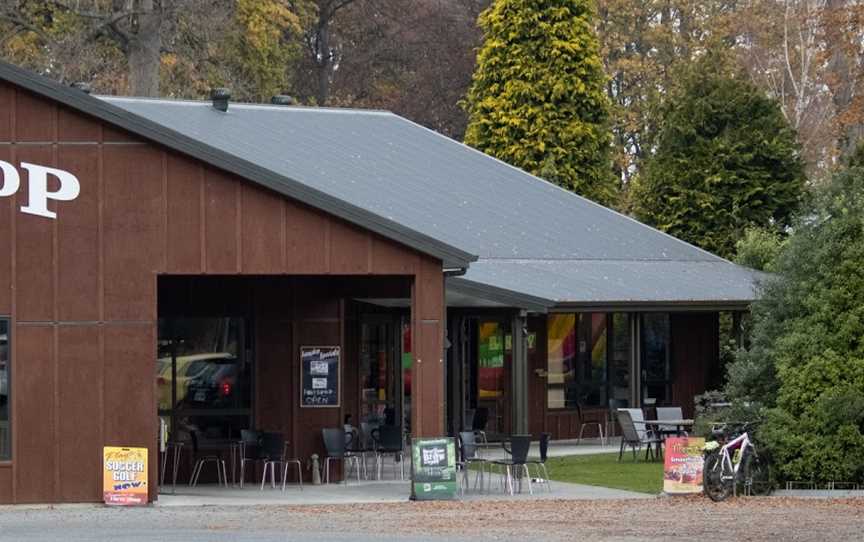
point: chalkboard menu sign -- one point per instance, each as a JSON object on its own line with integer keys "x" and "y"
{"x": 319, "y": 376}
{"x": 433, "y": 469}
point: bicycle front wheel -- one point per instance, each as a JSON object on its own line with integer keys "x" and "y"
{"x": 715, "y": 486}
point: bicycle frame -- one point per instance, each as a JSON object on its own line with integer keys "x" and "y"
{"x": 741, "y": 442}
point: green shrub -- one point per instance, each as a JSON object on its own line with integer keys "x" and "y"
{"x": 805, "y": 366}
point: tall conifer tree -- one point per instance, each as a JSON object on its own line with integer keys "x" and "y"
{"x": 537, "y": 100}
{"x": 726, "y": 160}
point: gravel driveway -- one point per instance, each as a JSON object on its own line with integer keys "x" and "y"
{"x": 618, "y": 520}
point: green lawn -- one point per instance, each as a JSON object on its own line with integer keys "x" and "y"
{"x": 604, "y": 470}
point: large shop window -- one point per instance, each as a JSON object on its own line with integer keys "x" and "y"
{"x": 577, "y": 363}
{"x": 656, "y": 366}
{"x": 203, "y": 377}
{"x": 5, "y": 352}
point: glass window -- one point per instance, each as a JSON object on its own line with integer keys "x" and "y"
{"x": 656, "y": 368}
{"x": 588, "y": 359}
{"x": 619, "y": 361}
{"x": 491, "y": 357}
{"x": 203, "y": 380}
{"x": 5, "y": 434}
{"x": 560, "y": 378}
{"x": 591, "y": 388}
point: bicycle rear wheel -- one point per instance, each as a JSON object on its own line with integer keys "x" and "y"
{"x": 716, "y": 488}
{"x": 757, "y": 475}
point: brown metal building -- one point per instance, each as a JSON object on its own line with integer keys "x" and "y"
{"x": 189, "y": 248}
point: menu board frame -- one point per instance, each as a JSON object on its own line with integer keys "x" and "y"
{"x": 439, "y": 482}
{"x": 307, "y": 375}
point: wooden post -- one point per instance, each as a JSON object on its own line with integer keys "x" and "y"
{"x": 427, "y": 337}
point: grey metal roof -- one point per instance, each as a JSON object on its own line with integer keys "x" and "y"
{"x": 532, "y": 237}
{"x": 413, "y": 176}
{"x": 536, "y": 241}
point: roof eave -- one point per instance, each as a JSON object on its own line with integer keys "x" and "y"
{"x": 503, "y": 296}
{"x": 449, "y": 255}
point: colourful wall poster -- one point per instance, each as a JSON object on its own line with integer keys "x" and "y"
{"x": 433, "y": 469}
{"x": 682, "y": 469}
{"x": 124, "y": 475}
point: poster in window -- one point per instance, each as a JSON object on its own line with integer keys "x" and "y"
{"x": 319, "y": 376}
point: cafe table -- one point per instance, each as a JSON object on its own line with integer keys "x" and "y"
{"x": 681, "y": 425}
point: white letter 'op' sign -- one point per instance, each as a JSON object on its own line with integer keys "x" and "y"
{"x": 10, "y": 181}
{"x": 39, "y": 193}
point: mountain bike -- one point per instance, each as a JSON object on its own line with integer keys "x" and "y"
{"x": 732, "y": 463}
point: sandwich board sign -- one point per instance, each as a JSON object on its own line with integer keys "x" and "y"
{"x": 124, "y": 476}
{"x": 682, "y": 468}
{"x": 433, "y": 469}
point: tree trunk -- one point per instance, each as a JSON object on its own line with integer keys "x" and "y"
{"x": 843, "y": 77}
{"x": 144, "y": 50}
{"x": 324, "y": 62}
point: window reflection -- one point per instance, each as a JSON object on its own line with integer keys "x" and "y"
{"x": 203, "y": 380}
{"x": 588, "y": 359}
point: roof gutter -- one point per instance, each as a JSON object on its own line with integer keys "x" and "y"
{"x": 652, "y": 306}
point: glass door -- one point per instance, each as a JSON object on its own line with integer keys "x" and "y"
{"x": 380, "y": 374}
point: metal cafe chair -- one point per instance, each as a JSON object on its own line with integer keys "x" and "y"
{"x": 389, "y": 442}
{"x": 669, "y": 413}
{"x": 286, "y": 462}
{"x": 469, "y": 456}
{"x": 202, "y": 459}
{"x": 540, "y": 462}
{"x": 250, "y": 450}
{"x": 334, "y": 443}
{"x": 589, "y": 423}
{"x": 520, "y": 445}
{"x": 363, "y": 444}
{"x": 634, "y": 436}
{"x": 274, "y": 449}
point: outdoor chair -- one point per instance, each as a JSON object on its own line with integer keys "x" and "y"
{"x": 469, "y": 456}
{"x": 589, "y": 423}
{"x": 635, "y": 437}
{"x": 334, "y": 443}
{"x": 388, "y": 441}
{"x": 250, "y": 450}
{"x": 540, "y": 462}
{"x": 669, "y": 413}
{"x": 354, "y": 447}
{"x": 520, "y": 445}
{"x": 273, "y": 448}
{"x": 364, "y": 446}
{"x": 200, "y": 459}
{"x": 287, "y": 462}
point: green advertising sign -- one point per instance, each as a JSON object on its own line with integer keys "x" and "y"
{"x": 433, "y": 469}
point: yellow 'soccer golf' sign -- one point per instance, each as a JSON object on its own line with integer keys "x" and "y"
{"x": 124, "y": 475}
